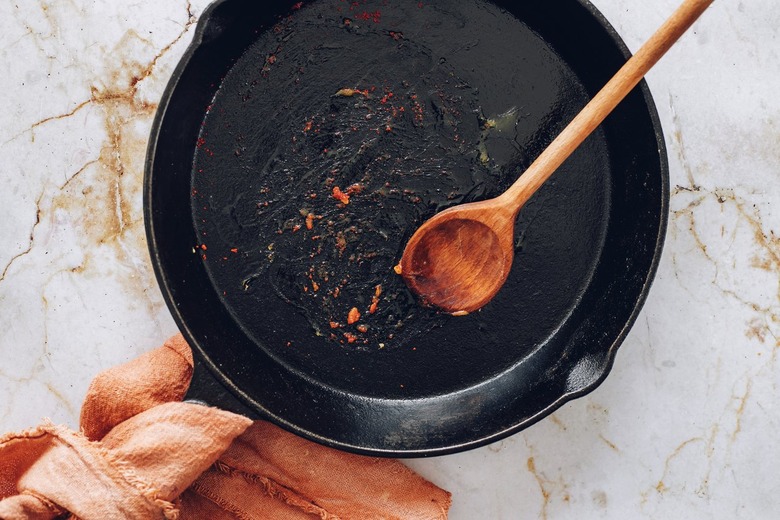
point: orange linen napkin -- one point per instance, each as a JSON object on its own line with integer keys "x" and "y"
{"x": 143, "y": 454}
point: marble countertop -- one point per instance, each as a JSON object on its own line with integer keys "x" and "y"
{"x": 684, "y": 426}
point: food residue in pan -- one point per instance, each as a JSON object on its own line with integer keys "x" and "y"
{"x": 314, "y": 167}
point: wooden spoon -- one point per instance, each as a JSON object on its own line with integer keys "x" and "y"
{"x": 460, "y": 258}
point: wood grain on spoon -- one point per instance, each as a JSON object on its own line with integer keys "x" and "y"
{"x": 459, "y": 259}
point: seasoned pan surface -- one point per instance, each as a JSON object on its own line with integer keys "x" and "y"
{"x": 297, "y": 150}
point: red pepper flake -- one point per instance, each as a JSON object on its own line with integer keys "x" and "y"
{"x": 375, "y": 299}
{"x": 315, "y": 286}
{"x": 296, "y": 228}
{"x": 307, "y": 126}
{"x": 397, "y": 269}
{"x": 200, "y": 142}
{"x": 336, "y": 292}
{"x": 349, "y": 92}
{"x": 297, "y": 6}
{"x": 335, "y": 325}
{"x": 234, "y": 250}
{"x": 341, "y": 243}
{"x": 271, "y": 59}
{"x": 310, "y": 221}
{"x": 203, "y": 247}
{"x": 353, "y": 316}
{"x": 340, "y": 195}
{"x": 376, "y": 16}
{"x": 355, "y": 188}
{"x": 417, "y": 109}
{"x": 362, "y": 328}
{"x": 351, "y": 338}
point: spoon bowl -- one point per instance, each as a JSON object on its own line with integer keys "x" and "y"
{"x": 462, "y": 256}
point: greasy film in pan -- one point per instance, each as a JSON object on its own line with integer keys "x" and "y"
{"x": 347, "y": 125}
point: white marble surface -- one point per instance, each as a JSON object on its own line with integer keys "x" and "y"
{"x": 686, "y": 425}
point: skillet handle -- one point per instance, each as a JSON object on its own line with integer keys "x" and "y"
{"x": 216, "y": 20}
{"x": 206, "y": 389}
{"x": 234, "y": 18}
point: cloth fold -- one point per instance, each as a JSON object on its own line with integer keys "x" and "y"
{"x": 143, "y": 454}
{"x": 117, "y": 394}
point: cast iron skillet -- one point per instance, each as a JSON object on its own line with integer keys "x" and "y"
{"x": 255, "y": 118}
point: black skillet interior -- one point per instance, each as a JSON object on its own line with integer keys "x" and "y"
{"x": 449, "y": 102}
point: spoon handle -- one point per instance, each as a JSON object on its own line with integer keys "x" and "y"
{"x": 603, "y": 103}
